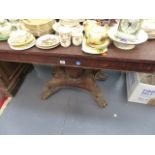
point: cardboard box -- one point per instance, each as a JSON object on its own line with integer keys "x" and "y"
{"x": 137, "y": 90}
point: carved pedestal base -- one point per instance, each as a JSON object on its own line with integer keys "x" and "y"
{"x": 72, "y": 77}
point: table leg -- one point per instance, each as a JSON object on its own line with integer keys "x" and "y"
{"x": 73, "y": 77}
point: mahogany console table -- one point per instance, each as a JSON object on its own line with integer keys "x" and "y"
{"x": 76, "y": 69}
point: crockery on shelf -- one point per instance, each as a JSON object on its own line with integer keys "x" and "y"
{"x": 5, "y": 29}
{"x": 77, "y": 37}
{"x": 96, "y": 39}
{"x": 125, "y": 43}
{"x": 39, "y": 27}
{"x": 58, "y": 26}
{"x": 91, "y": 50}
{"x": 95, "y": 33}
{"x": 128, "y": 29}
{"x": 21, "y": 40}
{"x": 48, "y": 41}
{"x": 16, "y": 24}
{"x": 65, "y": 35}
{"x": 104, "y": 44}
{"x": 24, "y": 47}
{"x": 124, "y": 46}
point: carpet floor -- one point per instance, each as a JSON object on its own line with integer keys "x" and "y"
{"x": 72, "y": 111}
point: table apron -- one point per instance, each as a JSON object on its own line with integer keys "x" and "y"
{"x": 80, "y": 62}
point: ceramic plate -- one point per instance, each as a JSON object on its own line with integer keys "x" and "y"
{"x": 105, "y": 44}
{"x": 50, "y": 47}
{"x": 141, "y": 37}
{"x": 90, "y": 50}
{"x": 20, "y": 38}
{"x": 24, "y": 47}
{"x": 48, "y": 41}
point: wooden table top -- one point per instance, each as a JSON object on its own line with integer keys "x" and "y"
{"x": 141, "y": 58}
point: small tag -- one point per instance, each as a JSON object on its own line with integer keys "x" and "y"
{"x": 62, "y": 62}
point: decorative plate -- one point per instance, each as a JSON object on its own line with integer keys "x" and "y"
{"x": 24, "y": 47}
{"x": 20, "y": 38}
{"x": 46, "y": 48}
{"x": 47, "y": 41}
{"x": 91, "y": 50}
{"x": 105, "y": 44}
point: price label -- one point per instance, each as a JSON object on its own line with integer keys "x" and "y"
{"x": 62, "y": 62}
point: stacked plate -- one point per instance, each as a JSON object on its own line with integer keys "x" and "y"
{"x": 125, "y": 43}
{"x": 21, "y": 40}
{"x": 48, "y": 41}
{"x": 39, "y": 27}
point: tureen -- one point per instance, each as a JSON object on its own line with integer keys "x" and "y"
{"x": 127, "y": 34}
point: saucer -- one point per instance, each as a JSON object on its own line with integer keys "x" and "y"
{"x": 90, "y": 50}
{"x": 24, "y": 47}
{"x": 46, "y": 48}
{"x": 20, "y": 38}
{"x": 105, "y": 44}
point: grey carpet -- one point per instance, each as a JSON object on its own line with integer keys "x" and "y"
{"x": 72, "y": 111}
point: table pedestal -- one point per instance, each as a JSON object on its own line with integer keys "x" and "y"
{"x": 74, "y": 77}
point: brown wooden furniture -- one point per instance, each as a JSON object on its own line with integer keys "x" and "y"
{"x": 78, "y": 67}
{"x": 11, "y": 76}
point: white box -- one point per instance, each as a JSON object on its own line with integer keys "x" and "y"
{"x": 137, "y": 91}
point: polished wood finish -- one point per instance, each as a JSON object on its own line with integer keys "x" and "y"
{"x": 78, "y": 65}
{"x": 11, "y": 76}
{"x": 141, "y": 59}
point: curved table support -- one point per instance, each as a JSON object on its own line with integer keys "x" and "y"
{"x": 74, "y": 77}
